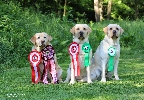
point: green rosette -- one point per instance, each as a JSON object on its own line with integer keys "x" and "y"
{"x": 86, "y": 48}
{"x": 111, "y": 53}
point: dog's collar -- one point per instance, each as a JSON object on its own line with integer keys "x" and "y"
{"x": 36, "y": 49}
{"x": 81, "y": 42}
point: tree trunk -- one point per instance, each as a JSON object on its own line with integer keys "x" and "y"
{"x": 59, "y": 7}
{"x": 64, "y": 13}
{"x": 136, "y": 9}
{"x": 101, "y": 10}
{"x": 96, "y": 9}
{"x": 109, "y": 9}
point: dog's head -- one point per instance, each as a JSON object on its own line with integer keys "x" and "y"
{"x": 41, "y": 39}
{"x": 113, "y": 31}
{"x": 80, "y": 31}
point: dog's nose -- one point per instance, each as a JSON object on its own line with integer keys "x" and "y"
{"x": 42, "y": 41}
{"x": 81, "y": 33}
{"x": 114, "y": 32}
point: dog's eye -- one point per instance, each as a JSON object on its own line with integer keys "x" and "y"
{"x": 117, "y": 29}
{"x": 77, "y": 28}
{"x": 110, "y": 28}
{"x": 44, "y": 37}
{"x": 38, "y": 37}
{"x": 84, "y": 28}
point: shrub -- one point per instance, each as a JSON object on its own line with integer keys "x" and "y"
{"x": 17, "y": 26}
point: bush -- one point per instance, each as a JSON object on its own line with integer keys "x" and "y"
{"x": 132, "y": 37}
{"x": 17, "y": 26}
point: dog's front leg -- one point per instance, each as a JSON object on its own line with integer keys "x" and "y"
{"x": 68, "y": 74}
{"x": 72, "y": 81}
{"x": 89, "y": 69}
{"x": 58, "y": 70}
{"x": 103, "y": 71}
{"x": 88, "y": 75}
{"x": 116, "y": 70}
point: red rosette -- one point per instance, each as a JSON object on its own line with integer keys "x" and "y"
{"x": 34, "y": 58}
{"x": 74, "y": 51}
{"x": 74, "y": 48}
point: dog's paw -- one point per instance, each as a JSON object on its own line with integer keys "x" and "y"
{"x": 103, "y": 80}
{"x": 66, "y": 81}
{"x": 71, "y": 82}
{"x": 117, "y": 79}
{"x": 60, "y": 81}
{"x": 89, "y": 82}
{"x": 81, "y": 80}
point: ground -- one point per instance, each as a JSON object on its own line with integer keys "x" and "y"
{"x": 15, "y": 83}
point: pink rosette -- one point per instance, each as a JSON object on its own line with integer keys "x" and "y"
{"x": 49, "y": 64}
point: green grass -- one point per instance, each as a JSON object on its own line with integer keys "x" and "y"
{"x": 17, "y": 26}
{"x": 17, "y": 82}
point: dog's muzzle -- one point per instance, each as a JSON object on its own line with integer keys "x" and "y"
{"x": 81, "y": 35}
{"x": 42, "y": 43}
{"x": 114, "y": 34}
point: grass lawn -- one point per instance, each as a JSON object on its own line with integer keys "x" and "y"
{"x": 16, "y": 84}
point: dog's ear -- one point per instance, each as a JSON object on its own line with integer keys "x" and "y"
{"x": 33, "y": 39}
{"x": 105, "y": 30}
{"x": 49, "y": 38}
{"x": 72, "y": 30}
{"x": 89, "y": 30}
{"x": 121, "y": 30}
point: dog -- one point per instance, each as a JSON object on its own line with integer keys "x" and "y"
{"x": 40, "y": 41}
{"x": 101, "y": 57}
{"x": 80, "y": 35}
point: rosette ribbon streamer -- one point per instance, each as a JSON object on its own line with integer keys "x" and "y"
{"x": 74, "y": 51}
{"x": 86, "y": 49}
{"x": 35, "y": 58}
{"x": 49, "y": 64}
{"x": 111, "y": 53}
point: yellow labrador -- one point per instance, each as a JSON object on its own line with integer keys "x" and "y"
{"x": 80, "y": 35}
{"x": 40, "y": 40}
{"x": 101, "y": 57}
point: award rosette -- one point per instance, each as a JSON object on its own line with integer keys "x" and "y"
{"x": 111, "y": 53}
{"x": 35, "y": 59}
{"x": 86, "y": 49}
{"x": 74, "y": 51}
{"x": 49, "y": 64}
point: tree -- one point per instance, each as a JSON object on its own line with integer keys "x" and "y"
{"x": 136, "y": 9}
{"x": 96, "y": 9}
{"x": 64, "y": 13}
{"x": 109, "y": 9}
{"x": 101, "y": 9}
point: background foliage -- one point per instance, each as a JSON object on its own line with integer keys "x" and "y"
{"x": 84, "y": 9}
{"x": 18, "y": 25}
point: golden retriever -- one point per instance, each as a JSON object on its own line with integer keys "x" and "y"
{"x": 80, "y": 35}
{"x": 41, "y": 40}
{"x": 101, "y": 56}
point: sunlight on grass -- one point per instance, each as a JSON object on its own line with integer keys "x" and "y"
{"x": 16, "y": 84}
